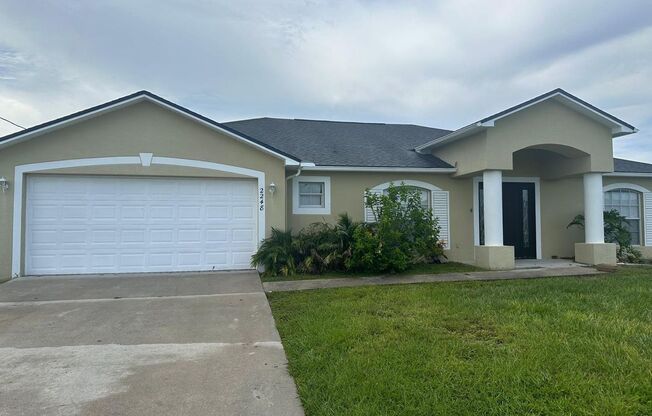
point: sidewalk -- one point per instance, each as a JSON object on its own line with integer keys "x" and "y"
{"x": 291, "y": 285}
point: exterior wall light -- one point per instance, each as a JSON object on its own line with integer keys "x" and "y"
{"x": 4, "y": 184}
{"x": 272, "y": 188}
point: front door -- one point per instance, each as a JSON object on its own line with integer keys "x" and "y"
{"x": 519, "y": 221}
{"x": 519, "y": 218}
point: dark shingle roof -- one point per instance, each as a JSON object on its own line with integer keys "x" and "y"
{"x": 631, "y": 166}
{"x": 337, "y": 143}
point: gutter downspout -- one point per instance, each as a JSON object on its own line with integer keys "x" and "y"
{"x": 287, "y": 178}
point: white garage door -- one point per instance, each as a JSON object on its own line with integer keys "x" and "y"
{"x": 105, "y": 224}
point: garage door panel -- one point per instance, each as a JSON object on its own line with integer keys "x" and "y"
{"x": 190, "y": 213}
{"x": 125, "y": 224}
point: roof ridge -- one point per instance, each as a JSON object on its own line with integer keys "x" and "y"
{"x": 337, "y": 121}
{"x": 631, "y": 160}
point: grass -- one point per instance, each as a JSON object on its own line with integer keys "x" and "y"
{"x": 556, "y": 346}
{"x": 450, "y": 267}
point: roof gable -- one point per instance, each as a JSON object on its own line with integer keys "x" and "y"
{"x": 617, "y": 126}
{"x": 135, "y": 98}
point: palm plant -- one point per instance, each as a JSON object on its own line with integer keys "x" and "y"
{"x": 276, "y": 254}
{"x": 615, "y": 231}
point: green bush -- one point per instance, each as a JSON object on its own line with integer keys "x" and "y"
{"x": 276, "y": 254}
{"x": 318, "y": 248}
{"x": 405, "y": 233}
{"x": 323, "y": 247}
{"x": 615, "y": 231}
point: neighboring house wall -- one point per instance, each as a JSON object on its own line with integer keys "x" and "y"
{"x": 142, "y": 127}
{"x": 347, "y": 195}
{"x": 533, "y": 127}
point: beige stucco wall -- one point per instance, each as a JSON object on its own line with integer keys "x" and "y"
{"x": 549, "y": 125}
{"x": 348, "y": 196}
{"x": 561, "y": 201}
{"x": 142, "y": 127}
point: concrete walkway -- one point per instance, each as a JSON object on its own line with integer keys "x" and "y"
{"x": 291, "y": 285}
{"x": 168, "y": 344}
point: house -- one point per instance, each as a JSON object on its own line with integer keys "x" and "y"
{"x": 141, "y": 184}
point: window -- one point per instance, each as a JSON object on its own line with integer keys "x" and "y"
{"x": 311, "y": 195}
{"x": 431, "y": 198}
{"x": 628, "y": 203}
{"x": 423, "y": 193}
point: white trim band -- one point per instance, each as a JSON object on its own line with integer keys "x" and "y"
{"x": 378, "y": 169}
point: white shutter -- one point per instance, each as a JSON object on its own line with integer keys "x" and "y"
{"x": 441, "y": 212}
{"x": 647, "y": 217}
{"x": 368, "y": 212}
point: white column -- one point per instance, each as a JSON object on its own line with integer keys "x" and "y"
{"x": 593, "y": 208}
{"x": 492, "y": 197}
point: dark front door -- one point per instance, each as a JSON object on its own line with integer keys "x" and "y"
{"x": 519, "y": 220}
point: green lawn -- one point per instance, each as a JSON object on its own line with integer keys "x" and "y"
{"x": 418, "y": 269}
{"x": 562, "y": 346}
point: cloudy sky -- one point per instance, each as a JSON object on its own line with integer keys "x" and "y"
{"x": 438, "y": 63}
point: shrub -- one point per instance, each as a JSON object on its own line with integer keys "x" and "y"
{"x": 405, "y": 233}
{"x": 615, "y": 231}
{"x": 276, "y": 254}
{"x": 318, "y": 248}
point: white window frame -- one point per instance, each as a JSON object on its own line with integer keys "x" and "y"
{"x": 645, "y": 224}
{"x": 297, "y": 209}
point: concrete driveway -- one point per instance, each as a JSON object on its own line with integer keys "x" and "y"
{"x": 168, "y": 344}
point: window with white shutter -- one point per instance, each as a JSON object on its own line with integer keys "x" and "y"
{"x": 441, "y": 211}
{"x": 431, "y": 197}
{"x": 369, "y": 215}
{"x": 647, "y": 217}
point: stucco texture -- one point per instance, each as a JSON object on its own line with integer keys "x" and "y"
{"x": 549, "y": 125}
{"x": 139, "y": 128}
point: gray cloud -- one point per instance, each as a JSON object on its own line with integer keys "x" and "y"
{"x": 442, "y": 63}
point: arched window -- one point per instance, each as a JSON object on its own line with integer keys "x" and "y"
{"x": 628, "y": 203}
{"x": 424, "y": 194}
{"x": 431, "y": 197}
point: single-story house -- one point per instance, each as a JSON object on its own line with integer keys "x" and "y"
{"x": 141, "y": 184}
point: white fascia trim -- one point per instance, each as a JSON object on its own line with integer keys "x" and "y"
{"x": 631, "y": 186}
{"x": 616, "y": 127}
{"x": 325, "y": 210}
{"x": 378, "y": 169}
{"x": 537, "y": 209}
{"x": 288, "y": 161}
{"x": 627, "y": 174}
{"x": 406, "y": 182}
{"x": 21, "y": 170}
{"x": 459, "y": 133}
{"x": 73, "y": 120}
